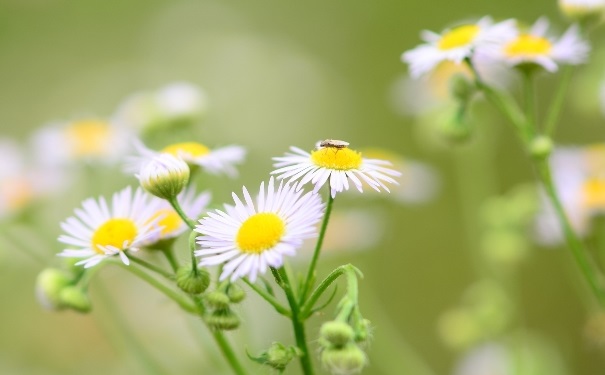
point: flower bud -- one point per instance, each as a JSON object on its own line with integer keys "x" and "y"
{"x": 344, "y": 361}
{"x": 165, "y": 176}
{"x": 222, "y": 320}
{"x": 192, "y": 282}
{"x": 235, "y": 293}
{"x": 278, "y": 356}
{"x": 541, "y": 147}
{"x": 75, "y": 298}
{"x": 217, "y": 300}
{"x": 337, "y": 333}
{"x": 49, "y": 284}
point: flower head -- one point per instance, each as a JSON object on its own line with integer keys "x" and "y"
{"x": 455, "y": 44}
{"x": 535, "y": 47}
{"x": 98, "y": 230}
{"x": 164, "y": 176}
{"x": 216, "y": 161}
{"x": 336, "y": 164}
{"x": 254, "y": 235}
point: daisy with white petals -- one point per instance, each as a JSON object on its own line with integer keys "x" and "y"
{"x": 336, "y": 164}
{"x": 256, "y": 234}
{"x": 98, "y": 230}
{"x": 215, "y": 161}
{"x": 535, "y": 47}
{"x": 456, "y": 44}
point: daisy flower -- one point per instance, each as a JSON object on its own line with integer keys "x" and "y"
{"x": 169, "y": 220}
{"x": 87, "y": 139}
{"x": 251, "y": 236}
{"x": 98, "y": 231}
{"x": 455, "y": 44}
{"x": 216, "y": 161}
{"x": 336, "y": 164}
{"x": 535, "y": 47}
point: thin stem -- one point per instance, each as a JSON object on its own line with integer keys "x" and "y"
{"x": 557, "y": 103}
{"x": 18, "y": 242}
{"x": 573, "y": 242}
{"x": 169, "y": 254}
{"x": 297, "y": 321}
{"x": 531, "y": 111}
{"x": 192, "y": 237}
{"x": 306, "y": 309}
{"x": 179, "y": 210}
{"x": 176, "y": 297}
{"x": 151, "y": 267}
{"x": 228, "y": 352}
{"x": 310, "y": 279}
{"x": 269, "y": 298}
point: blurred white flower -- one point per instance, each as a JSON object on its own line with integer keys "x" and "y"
{"x": 167, "y": 105}
{"x": 578, "y": 9}
{"x": 456, "y": 44}
{"x": 487, "y": 359}
{"x": 83, "y": 140}
{"x": 536, "y": 47}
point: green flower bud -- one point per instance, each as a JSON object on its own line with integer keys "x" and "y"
{"x": 337, "y": 333}
{"x": 235, "y": 293}
{"x": 344, "y": 361}
{"x": 49, "y": 284}
{"x": 165, "y": 176}
{"x": 217, "y": 300}
{"x": 278, "y": 356}
{"x": 223, "y": 320}
{"x": 192, "y": 282}
{"x": 75, "y": 298}
{"x": 541, "y": 147}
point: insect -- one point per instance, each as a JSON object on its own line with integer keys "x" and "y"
{"x": 333, "y": 143}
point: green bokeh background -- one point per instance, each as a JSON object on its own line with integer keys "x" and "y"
{"x": 277, "y": 74}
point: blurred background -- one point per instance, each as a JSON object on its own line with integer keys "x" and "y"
{"x": 276, "y": 75}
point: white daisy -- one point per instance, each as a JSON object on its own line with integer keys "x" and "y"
{"x": 216, "y": 161}
{"x": 98, "y": 231}
{"x": 456, "y": 44}
{"x": 578, "y": 9}
{"x": 87, "y": 139}
{"x": 170, "y": 222}
{"x": 338, "y": 164}
{"x": 251, "y": 236}
{"x": 535, "y": 47}
{"x": 170, "y": 104}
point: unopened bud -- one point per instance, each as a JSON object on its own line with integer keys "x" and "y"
{"x": 49, "y": 284}
{"x": 277, "y": 356}
{"x": 76, "y": 299}
{"x": 223, "y": 320}
{"x": 541, "y": 147}
{"x": 344, "y": 361}
{"x": 192, "y": 281}
{"x": 165, "y": 176}
{"x": 217, "y": 300}
{"x": 235, "y": 293}
{"x": 337, "y": 333}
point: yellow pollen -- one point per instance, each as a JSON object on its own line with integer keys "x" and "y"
{"x": 458, "y": 37}
{"x": 528, "y": 45}
{"x": 114, "y": 232}
{"x": 342, "y": 159}
{"x": 185, "y": 149}
{"x": 170, "y": 220}
{"x": 89, "y": 137}
{"x": 594, "y": 193}
{"x": 260, "y": 232}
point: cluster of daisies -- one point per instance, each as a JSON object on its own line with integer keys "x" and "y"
{"x": 248, "y": 236}
{"x": 508, "y": 43}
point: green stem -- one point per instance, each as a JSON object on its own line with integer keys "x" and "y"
{"x": 306, "y": 309}
{"x": 179, "y": 210}
{"x": 169, "y": 254}
{"x": 573, "y": 242}
{"x": 557, "y": 103}
{"x": 310, "y": 279}
{"x": 269, "y": 298}
{"x": 192, "y": 237}
{"x": 151, "y": 267}
{"x": 22, "y": 245}
{"x": 228, "y": 352}
{"x": 176, "y": 297}
{"x": 531, "y": 112}
{"x": 297, "y": 322}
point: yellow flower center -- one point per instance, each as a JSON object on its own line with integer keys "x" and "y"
{"x": 528, "y": 45}
{"x": 594, "y": 193}
{"x": 185, "y": 149}
{"x": 170, "y": 220}
{"x": 89, "y": 137}
{"x": 260, "y": 232}
{"x": 458, "y": 37}
{"x": 115, "y": 233}
{"x": 342, "y": 159}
